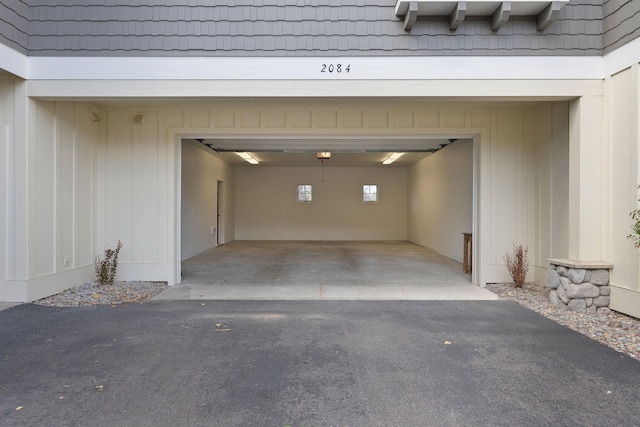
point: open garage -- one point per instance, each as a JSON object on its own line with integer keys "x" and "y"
{"x": 332, "y": 190}
{"x": 166, "y": 180}
{"x": 476, "y": 168}
{"x": 94, "y": 118}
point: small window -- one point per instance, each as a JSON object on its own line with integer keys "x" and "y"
{"x": 370, "y": 193}
{"x": 305, "y": 193}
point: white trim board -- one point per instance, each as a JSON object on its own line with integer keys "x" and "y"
{"x": 310, "y": 68}
{"x": 623, "y": 57}
{"x": 306, "y": 68}
{"x": 13, "y": 61}
{"x": 102, "y": 90}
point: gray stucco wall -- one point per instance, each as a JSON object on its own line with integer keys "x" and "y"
{"x": 621, "y": 23}
{"x": 292, "y": 28}
{"x": 14, "y": 24}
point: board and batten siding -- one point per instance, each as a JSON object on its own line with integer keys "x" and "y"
{"x": 7, "y": 189}
{"x": 134, "y": 192}
{"x": 624, "y": 172}
{"x": 50, "y": 204}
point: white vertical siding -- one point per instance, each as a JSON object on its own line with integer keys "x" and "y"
{"x": 6, "y": 162}
{"x": 624, "y": 129}
{"x": 146, "y": 153}
{"x": 45, "y": 189}
{"x": 84, "y": 200}
{"x": 53, "y": 219}
{"x": 65, "y": 179}
{"x": 557, "y": 156}
{"x": 119, "y": 183}
{"x": 506, "y": 183}
{"x": 136, "y": 180}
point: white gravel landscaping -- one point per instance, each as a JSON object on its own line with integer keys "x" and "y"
{"x": 94, "y": 294}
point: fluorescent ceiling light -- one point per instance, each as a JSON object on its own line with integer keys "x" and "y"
{"x": 391, "y": 158}
{"x": 249, "y": 158}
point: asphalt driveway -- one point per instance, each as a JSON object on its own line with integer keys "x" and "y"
{"x": 307, "y": 363}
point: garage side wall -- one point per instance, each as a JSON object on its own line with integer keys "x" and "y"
{"x": 267, "y": 209}
{"x": 520, "y": 189}
{"x": 441, "y": 199}
{"x": 201, "y": 172}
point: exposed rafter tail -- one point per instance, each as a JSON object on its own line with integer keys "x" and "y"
{"x": 457, "y": 15}
{"x": 500, "y": 16}
{"x": 411, "y": 16}
{"x": 548, "y": 15}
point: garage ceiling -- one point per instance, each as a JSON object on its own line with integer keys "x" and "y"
{"x": 300, "y": 151}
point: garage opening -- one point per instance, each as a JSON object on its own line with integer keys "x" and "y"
{"x": 332, "y": 211}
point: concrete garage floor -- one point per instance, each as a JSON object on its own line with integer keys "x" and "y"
{"x": 323, "y": 270}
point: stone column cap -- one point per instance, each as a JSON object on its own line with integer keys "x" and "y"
{"x": 588, "y": 265}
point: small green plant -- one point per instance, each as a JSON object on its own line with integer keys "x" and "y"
{"x": 517, "y": 264}
{"x": 635, "y": 227}
{"x": 107, "y": 267}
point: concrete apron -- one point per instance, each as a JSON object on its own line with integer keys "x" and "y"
{"x": 287, "y": 270}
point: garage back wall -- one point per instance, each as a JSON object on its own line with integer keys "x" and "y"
{"x": 267, "y": 209}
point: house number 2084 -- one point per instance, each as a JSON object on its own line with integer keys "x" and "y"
{"x": 335, "y": 68}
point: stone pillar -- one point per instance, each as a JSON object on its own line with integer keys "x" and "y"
{"x": 580, "y": 286}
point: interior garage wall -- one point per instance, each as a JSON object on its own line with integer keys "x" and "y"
{"x": 624, "y": 129}
{"x": 441, "y": 199}
{"x": 266, "y": 206}
{"x": 201, "y": 172}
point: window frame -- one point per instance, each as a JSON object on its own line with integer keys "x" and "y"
{"x": 298, "y": 193}
{"x": 377, "y": 193}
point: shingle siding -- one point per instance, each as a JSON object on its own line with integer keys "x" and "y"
{"x": 14, "y": 24}
{"x": 297, "y": 28}
{"x": 621, "y": 23}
